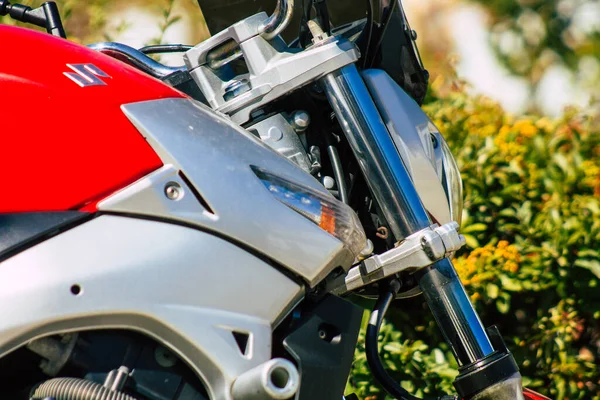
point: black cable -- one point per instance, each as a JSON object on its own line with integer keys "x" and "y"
{"x": 338, "y": 170}
{"x": 165, "y": 48}
{"x": 304, "y": 34}
{"x": 369, "y": 33}
{"x": 4, "y": 7}
{"x": 322, "y": 15}
{"x": 372, "y": 351}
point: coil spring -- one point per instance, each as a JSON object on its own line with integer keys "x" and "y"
{"x": 76, "y": 389}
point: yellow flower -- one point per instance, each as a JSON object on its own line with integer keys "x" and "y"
{"x": 545, "y": 124}
{"x": 525, "y": 128}
{"x": 504, "y": 131}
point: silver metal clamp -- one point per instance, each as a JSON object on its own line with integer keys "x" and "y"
{"x": 273, "y": 69}
{"x": 417, "y": 251}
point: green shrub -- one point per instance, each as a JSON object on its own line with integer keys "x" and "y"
{"x": 532, "y": 223}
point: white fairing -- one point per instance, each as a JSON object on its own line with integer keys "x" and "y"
{"x": 412, "y": 132}
{"x": 186, "y": 288}
{"x": 216, "y": 156}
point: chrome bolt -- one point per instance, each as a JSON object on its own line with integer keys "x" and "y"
{"x": 300, "y": 120}
{"x": 328, "y": 182}
{"x": 236, "y": 88}
{"x": 173, "y": 191}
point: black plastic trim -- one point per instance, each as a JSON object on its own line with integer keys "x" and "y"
{"x": 322, "y": 344}
{"x": 19, "y": 231}
{"x": 493, "y": 369}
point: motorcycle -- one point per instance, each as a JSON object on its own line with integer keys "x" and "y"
{"x": 199, "y": 232}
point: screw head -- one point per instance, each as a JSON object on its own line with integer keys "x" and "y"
{"x": 274, "y": 134}
{"x": 301, "y": 120}
{"x": 173, "y": 191}
{"x": 164, "y": 357}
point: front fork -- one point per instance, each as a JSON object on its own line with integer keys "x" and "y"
{"x": 486, "y": 368}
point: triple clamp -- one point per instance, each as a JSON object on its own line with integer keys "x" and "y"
{"x": 272, "y": 69}
{"x": 417, "y": 251}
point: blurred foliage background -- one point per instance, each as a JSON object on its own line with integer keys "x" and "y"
{"x": 532, "y": 223}
{"x": 532, "y": 182}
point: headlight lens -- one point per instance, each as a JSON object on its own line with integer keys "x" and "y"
{"x": 324, "y": 210}
{"x": 452, "y": 182}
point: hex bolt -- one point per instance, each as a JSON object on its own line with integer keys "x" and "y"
{"x": 173, "y": 191}
{"x": 235, "y": 89}
{"x": 300, "y": 120}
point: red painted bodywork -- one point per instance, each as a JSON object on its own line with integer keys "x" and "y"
{"x": 531, "y": 395}
{"x": 63, "y": 146}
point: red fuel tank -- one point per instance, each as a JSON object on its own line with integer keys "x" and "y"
{"x": 64, "y": 141}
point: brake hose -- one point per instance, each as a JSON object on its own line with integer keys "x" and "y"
{"x": 371, "y": 347}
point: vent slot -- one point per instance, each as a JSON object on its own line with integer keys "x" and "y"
{"x": 242, "y": 339}
{"x": 197, "y": 195}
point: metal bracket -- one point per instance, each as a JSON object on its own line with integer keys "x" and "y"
{"x": 417, "y": 251}
{"x": 274, "y": 69}
{"x": 279, "y": 134}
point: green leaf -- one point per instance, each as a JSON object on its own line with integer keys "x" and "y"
{"x": 394, "y": 348}
{"x": 561, "y": 161}
{"x": 508, "y": 212}
{"x": 438, "y": 356}
{"x": 588, "y": 253}
{"x": 510, "y": 284}
{"x": 477, "y": 227}
{"x": 591, "y": 265}
{"x": 497, "y": 200}
{"x": 503, "y": 303}
{"x": 492, "y": 290}
{"x": 471, "y": 241}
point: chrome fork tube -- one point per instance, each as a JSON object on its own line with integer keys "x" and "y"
{"x": 374, "y": 149}
{"x": 454, "y": 313}
{"x": 393, "y": 189}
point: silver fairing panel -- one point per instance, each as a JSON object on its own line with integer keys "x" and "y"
{"x": 411, "y": 130}
{"x": 183, "y": 287}
{"x": 216, "y": 155}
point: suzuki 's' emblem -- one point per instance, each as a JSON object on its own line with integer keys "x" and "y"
{"x": 86, "y": 75}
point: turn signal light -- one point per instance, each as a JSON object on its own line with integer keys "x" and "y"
{"x": 330, "y": 214}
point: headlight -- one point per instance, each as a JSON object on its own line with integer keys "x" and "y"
{"x": 324, "y": 210}
{"x": 451, "y": 181}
